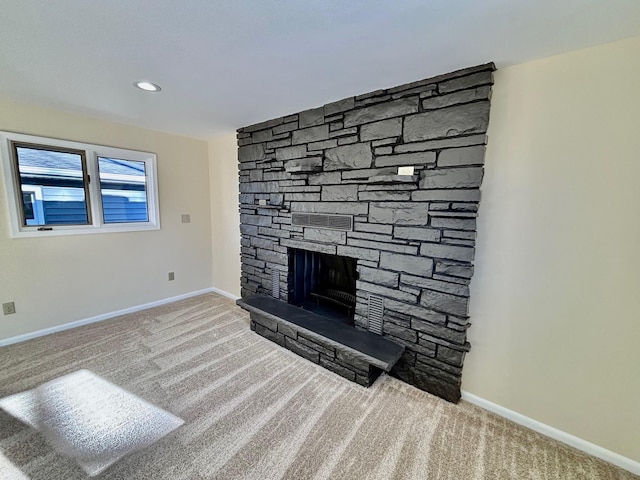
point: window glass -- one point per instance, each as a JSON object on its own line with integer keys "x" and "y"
{"x": 52, "y": 186}
{"x": 123, "y": 189}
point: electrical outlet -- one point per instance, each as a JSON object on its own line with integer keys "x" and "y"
{"x": 8, "y": 308}
{"x": 171, "y": 276}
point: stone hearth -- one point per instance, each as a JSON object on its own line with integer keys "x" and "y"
{"x": 413, "y": 235}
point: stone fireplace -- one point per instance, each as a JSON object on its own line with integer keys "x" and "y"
{"x": 330, "y": 223}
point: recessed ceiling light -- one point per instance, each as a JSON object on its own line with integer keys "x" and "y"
{"x": 147, "y": 86}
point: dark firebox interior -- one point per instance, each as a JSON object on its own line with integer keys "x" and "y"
{"x": 324, "y": 284}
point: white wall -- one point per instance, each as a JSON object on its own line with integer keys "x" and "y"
{"x": 56, "y": 280}
{"x": 225, "y": 219}
{"x": 555, "y": 301}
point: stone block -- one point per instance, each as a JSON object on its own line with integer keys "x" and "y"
{"x": 463, "y": 96}
{"x": 354, "y": 156}
{"x": 289, "y": 153}
{"x": 451, "y": 252}
{"x": 386, "y": 292}
{"x": 454, "y": 269}
{"x": 392, "y": 247}
{"x": 442, "y": 144}
{"x": 268, "y": 334}
{"x": 348, "y": 140}
{"x": 468, "y": 81}
{"x": 343, "y": 132}
{"x": 323, "y": 145}
{"x": 302, "y": 197}
{"x": 417, "y": 159}
{"x": 326, "y": 236}
{"x": 337, "y": 368}
{"x": 439, "y": 331}
{"x": 383, "y": 129}
{"x": 415, "y": 233}
{"x": 450, "y": 356}
{"x": 372, "y": 227}
{"x": 384, "y": 196}
{"x": 265, "y": 321}
{"x": 339, "y": 106}
{"x": 340, "y": 193}
{"x": 302, "y": 350}
{"x": 259, "y": 220}
{"x": 285, "y": 127}
{"x": 367, "y": 173}
{"x": 454, "y": 223}
{"x": 400, "y": 332}
{"x": 470, "y": 177}
{"x": 406, "y": 263}
{"x": 328, "y": 352}
{"x": 306, "y": 245}
{"x": 251, "y": 152}
{"x": 259, "y": 187}
{"x": 444, "y": 302}
{"x": 325, "y": 178}
{"x": 279, "y": 143}
{"x": 272, "y": 257}
{"x": 287, "y": 331}
{"x": 383, "y": 151}
{"x": 395, "y": 108}
{"x": 454, "y": 157}
{"x": 447, "y": 122}
{"x": 312, "y": 117}
{"x": 437, "y": 285}
{"x": 309, "y": 164}
{"x": 359, "y": 253}
{"x": 311, "y": 134}
{"x": 255, "y": 175}
{"x": 353, "y": 360}
{"x": 461, "y": 235}
{"x": 378, "y": 276}
{"x": 399, "y": 213}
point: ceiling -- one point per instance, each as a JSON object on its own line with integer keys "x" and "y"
{"x": 227, "y": 64}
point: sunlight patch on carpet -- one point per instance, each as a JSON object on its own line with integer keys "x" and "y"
{"x": 90, "y": 419}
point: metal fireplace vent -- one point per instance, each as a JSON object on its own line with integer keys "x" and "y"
{"x": 376, "y": 310}
{"x": 316, "y": 220}
{"x": 275, "y": 284}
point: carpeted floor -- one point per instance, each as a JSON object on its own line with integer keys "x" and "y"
{"x": 253, "y": 410}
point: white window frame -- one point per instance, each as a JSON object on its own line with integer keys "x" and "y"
{"x": 92, "y": 152}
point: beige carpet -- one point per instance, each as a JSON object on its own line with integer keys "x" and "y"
{"x": 253, "y": 410}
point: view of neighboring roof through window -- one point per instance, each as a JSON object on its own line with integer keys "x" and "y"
{"x": 52, "y": 185}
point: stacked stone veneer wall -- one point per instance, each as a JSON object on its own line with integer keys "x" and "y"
{"x": 413, "y": 236}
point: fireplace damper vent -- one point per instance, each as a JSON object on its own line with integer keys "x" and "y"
{"x": 376, "y": 309}
{"x": 333, "y": 222}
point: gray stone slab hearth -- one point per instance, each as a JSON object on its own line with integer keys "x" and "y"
{"x": 354, "y": 354}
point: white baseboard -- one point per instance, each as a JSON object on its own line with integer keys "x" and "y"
{"x": 564, "y": 437}
{"x": 99, "y": 318}
{"x": 224, "y": 294}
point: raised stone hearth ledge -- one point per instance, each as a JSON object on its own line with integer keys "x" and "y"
{"x": 413, "y": 235}
{"x": 355, "y": 354}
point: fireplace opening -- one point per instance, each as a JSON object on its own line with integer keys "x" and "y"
{"x": 324, "y": 284}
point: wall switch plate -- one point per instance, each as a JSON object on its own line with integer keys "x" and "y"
{"x": 172, "y": 276}
{"x": 8, "y": 308}
{"x": 405, "y": 170}
{"x": 186, "y": 218}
